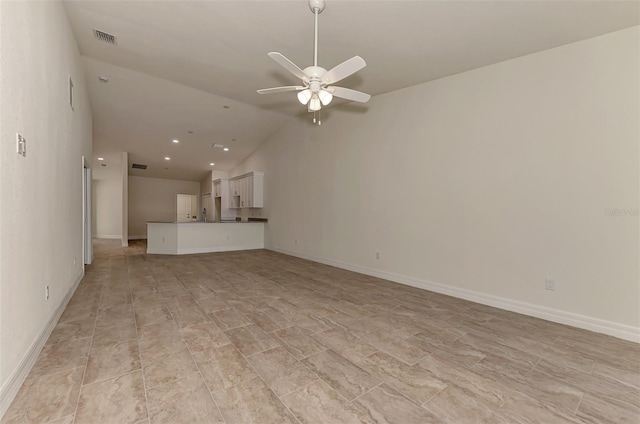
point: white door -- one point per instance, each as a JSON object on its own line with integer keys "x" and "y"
{"x": 184, "y": 208}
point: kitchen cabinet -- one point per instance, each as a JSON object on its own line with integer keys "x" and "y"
{"x": 247, "y": 190}
{"x": 223, "y": 200}
{"x": 244, "y": 192}
{"x": 234, "y": 195}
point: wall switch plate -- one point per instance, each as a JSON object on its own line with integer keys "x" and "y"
{"x": 378, "y": 255}
{"x": 549, "y": 284}
{"x": 21, "y": 145}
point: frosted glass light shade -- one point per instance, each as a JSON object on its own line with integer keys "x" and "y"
{"x": 314, "y": 104}
{"x": 304, "y": 96}
{"x": 325, "y": 97}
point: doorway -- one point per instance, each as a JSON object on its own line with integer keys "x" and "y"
{"x": 87, "y": 237}
{"x": 186, "y": 207}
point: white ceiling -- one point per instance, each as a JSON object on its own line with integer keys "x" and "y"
{"x": 177, "y": 63}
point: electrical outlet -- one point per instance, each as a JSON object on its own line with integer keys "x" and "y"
{"x": 46, "y": 292}
{"x": 378, "y": 255}
{"x": 549, "y": 284}
{"x": 21, "y": 145}
{"x": 295, "y": 242}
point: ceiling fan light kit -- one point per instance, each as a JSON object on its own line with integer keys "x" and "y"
{"x": 317, "y": 90}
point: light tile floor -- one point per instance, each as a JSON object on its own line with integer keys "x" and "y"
{"x": 260, "y": 337}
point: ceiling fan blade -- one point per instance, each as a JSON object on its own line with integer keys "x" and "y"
{"x": 288, "y": 65}
{"x": 343, "y": 70}
{"x": 280, "y": 89}
{"x": 349, "y": 94}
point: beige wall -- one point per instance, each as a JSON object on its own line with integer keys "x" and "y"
{"x": 479, "y": 185}
{"x": 107, "y": 197}
{"x": 205, "y": 184}
{"x": 41, "y": 222}
{"x": 154, "y": 199}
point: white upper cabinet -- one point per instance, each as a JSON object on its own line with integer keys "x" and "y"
{"x": 247, "y": 190}
{"x": 233, "y": 193}
{"x": 223, "y": 202}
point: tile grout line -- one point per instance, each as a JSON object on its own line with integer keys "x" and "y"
{"x": 135, "y": 324}
{"x": 293, "y": 391}
{"x": 575, "y": 411}
{"x": 368, "y": 391}
{"x": 203, "y": 379}
{"x": 93, "y": 333}
{"x": 268, "y": 385}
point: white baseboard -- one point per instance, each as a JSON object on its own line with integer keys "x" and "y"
{"x": 137, "y": 237}
{"x": 221, "y": 249}
{"x": 152, "y": 251}
{"x": 10, "y": 389}
{"x": 108, "y": 236}
{"x": 212, "y": 249}
{"x": 622, "y": 331}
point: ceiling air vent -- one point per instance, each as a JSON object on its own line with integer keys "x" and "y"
{"x": 138, "y": 166}
{"x": 104, "y": 36}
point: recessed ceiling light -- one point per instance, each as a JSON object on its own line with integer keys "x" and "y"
{"x": 176, "y": 141}
{"x": 102, "y": 78}
{"x": 167, "y": 158}
{"x": 100, "y": 158}
{"x": 212, "y": 164}
{"x": 226, "y": 149}
{"x": 226, "y": 106}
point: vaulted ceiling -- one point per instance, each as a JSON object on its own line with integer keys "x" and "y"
{"x": 189, "y": 70}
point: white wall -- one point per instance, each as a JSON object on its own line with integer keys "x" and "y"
{"x": 480, "y": 185}
{"x": 41, "y": 194}
{"x": 107, "y": 198}
{"x": 154, "y": 199}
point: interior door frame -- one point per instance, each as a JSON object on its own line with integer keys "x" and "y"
{"x": 87, "y": 236}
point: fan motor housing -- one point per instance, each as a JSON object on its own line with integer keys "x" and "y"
{"x": 314, "y": 72}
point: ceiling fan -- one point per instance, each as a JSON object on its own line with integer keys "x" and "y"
{"x": 317, "y": 89}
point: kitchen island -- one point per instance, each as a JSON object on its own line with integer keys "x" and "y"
{"x": 183, "y": 238}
